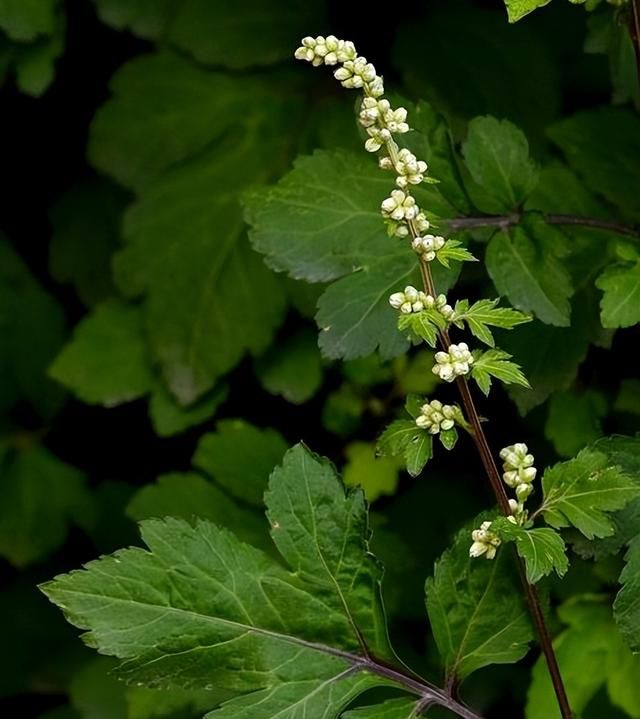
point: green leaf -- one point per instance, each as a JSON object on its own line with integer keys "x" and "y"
{"x": 93, "y": 210}
{"x": 320, "y": 223}
{"x": 41, "y": 497}
{"x": 170, "y": 418}
{"x": 218, "y": 33}
{"x": 240, "y": 457}
{"x": 603, "y": 146}
{"x": 525, "y": 265}
{"x": 198, "y": 608}
{"x": 517, "y": 9}
{"x": 496, "y": 153}
{"x": 626, "y": 608}
{"x": 189, "y": 496}
{"x": 33, "y": 63}
{"x": 377, "y": 476}
{"x": 454, "y": 250}
{"x": 401, "y": 708}
{"x": 622, "y": 452}
{"x": 621, "y": 299}
{"x": 32, "y": 328}
{"x": 432, "y": 140}
{"x": 606, "y": 35}
{"x": 591, "y": 655}
{"x": 106, "y": 362}
{"x": 165, "y": 110}
{"x": 25, "y": 20}
{"x": 293, "y": 368}
{"x": 583, "y": 490}
{"x": 477, "y": 613}
{"x": 547, "y": 369}
{"x": 496, "y": 363}
{"x": 421, "y": 326}
{"x": 542, "y": 548}
{"x": 185, "y": 248}
{"x": 203, "y": 285}
{"x": 448, "y": 438}
{"x": 483, "y": 313}
{"x": 574, "y": 420}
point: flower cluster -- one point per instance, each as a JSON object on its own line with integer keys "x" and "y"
{"x": 436, "y": 417}
{"x": 455, "y": 362}
{"x": 411, "y": 300}
{"x": 410, "y": 170}
{"x": 484, "y": 542}
{"x": 428, "y": 246}
{"x": 519, "y": 474}
{"x": 399, "y": 206}
{"x": 326, "y": 51}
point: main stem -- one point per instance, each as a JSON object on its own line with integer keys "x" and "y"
{"x": 493, "y": 474}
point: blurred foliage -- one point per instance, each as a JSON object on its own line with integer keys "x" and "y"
{"x": 190, "y": 249}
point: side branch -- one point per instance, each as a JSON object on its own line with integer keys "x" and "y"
{"x": 503, "y": 222}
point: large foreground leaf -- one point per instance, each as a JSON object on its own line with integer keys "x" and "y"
{"x": 199, "y": 608}
{"x": 477, "y": 613}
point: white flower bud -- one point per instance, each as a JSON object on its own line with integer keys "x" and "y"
{"x": 485, "y": 542}
{"x": 453, "y": 363}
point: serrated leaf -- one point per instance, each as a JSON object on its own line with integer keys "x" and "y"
{"x": 240, "y": 457}
{"x": 393, "y": 441}
{"x": 377, "y": 476}
{"x": 421, "y": 326}
{"x": 525, "y": 265}
{"x": 484, "y": 313}
{"x": 517, "y": 9}
{"x": 603, "y": 146}
{"x": 542, "y": 548}
{"x": 165, "y": 110}
{"x": 293, "y": 368}
{"x": 106, "y": 362}
{"x": 189, "y": 496}
{"x": 477, "y": 613}
{"x": 496, "y": 363}
{"x": 218, "y": 33}
{"x": 622, "y": 452}
{"x": 189, "y": 616}
{"x": 40, "y": 498}
{"x": 496, "y": 153}
{"x": 454, "y": 250}
{"x": 621, "y": 299}
{"x": 583, "y": 490}
{"x": 402, "y": 438}
{"x": 185, "y": 249}
{"x": 204, "y": 284}
{"x": 626, "y": 609}
{"x": 321, "y": 222}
